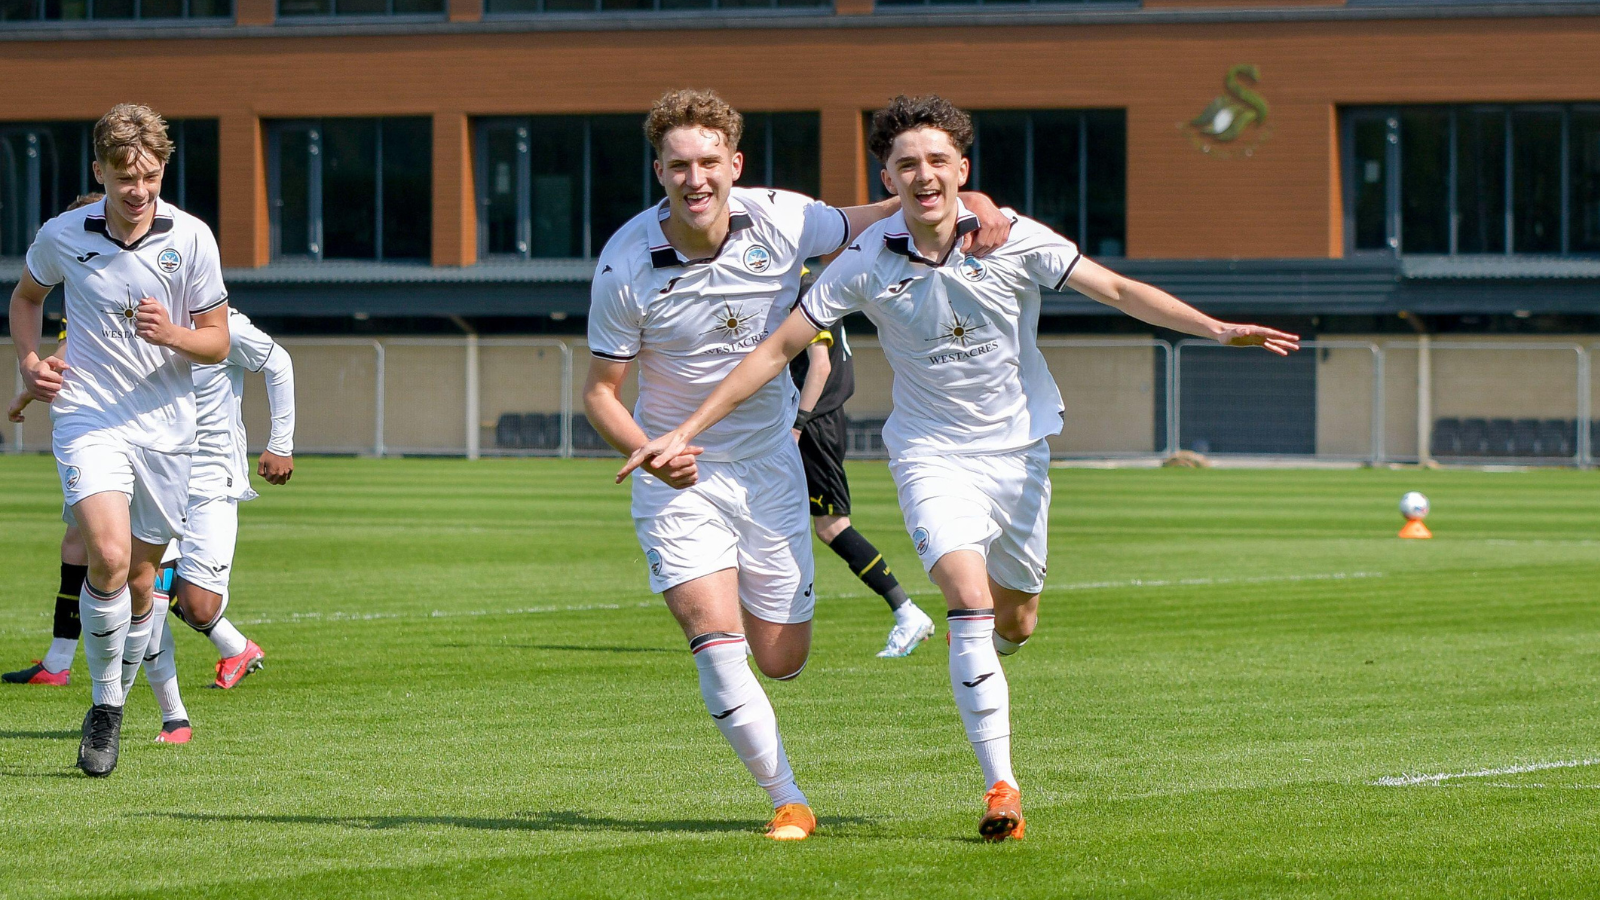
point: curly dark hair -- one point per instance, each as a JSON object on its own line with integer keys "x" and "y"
{"x": 693, "y": 109}
{"x": 905, "y": 114}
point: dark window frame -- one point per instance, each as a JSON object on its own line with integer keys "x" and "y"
{"x": 1351, "y": 117}
{"x": 389, "y": 15}
{"x": 41, "y": 7}
{"x": 958, "y": 5}
{"x": 766, "y": 7}
{"x": 316, "y": 238}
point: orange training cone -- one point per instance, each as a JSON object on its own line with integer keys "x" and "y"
{"x": 1416, "y": 530}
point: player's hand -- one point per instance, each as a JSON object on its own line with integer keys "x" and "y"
{"x": 18, "y": 404}
{"x": 274, "y": 468}
{"x": 153, "y": 324}
{"x": 664, "y": 458}
{"x": 41, "y": 380}
{"x": 994, "y": 226}
{"x": 1279, "y": 342}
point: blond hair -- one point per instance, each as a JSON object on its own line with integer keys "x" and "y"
{"x": 691, "y": 108}
{"x": 128, "y": 131}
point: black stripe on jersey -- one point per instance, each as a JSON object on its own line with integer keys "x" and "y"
{"x": 970, "y": 614}
{"x": 611, "y": 356}
{"x": 810, "y": 318}
{"x": 1062, "y": 284}
{"x": 846, "y": 238}
{"x": 97, "y": 225}
{"x": 268, "y": 358}
{"x": 205, "y": 309}
{"x": 37, "y": 281}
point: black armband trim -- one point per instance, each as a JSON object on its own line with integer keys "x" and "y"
{"x": 612, "y": 356}
{"x": 1062, "y": 284}
{"x": 810, "y": 318}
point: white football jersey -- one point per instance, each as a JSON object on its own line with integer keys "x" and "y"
{"x": 690, "y": 322}
{"x": 221, "y": 467}
{"x": 115, "y": 380}
{"x": 961, "y": 334}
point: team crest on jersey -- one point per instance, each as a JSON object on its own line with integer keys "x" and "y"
{"x": 73, "y": 474}
{"x": 972, "y": 269}
{"x": 169, "y": 260}
{"x": 757, "y": 259}
{"x": 653, "y": 557}
{"x": 920, "y": 539}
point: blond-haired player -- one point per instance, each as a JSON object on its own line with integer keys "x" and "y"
{"x": 144, "y": 299}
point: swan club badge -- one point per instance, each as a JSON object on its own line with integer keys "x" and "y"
{"x": 756, "y": 259}
{"x": 169, "y": 260}
{"x": 1235, "y": 123}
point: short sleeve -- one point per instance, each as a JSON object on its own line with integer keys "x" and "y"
{"x": 1048, "y": 257}
{"x": 249, "y": 346}
{"x": 204, "y": 291}
{"x": 616, "y": 324}
{"x": 841, "y": 290}
{"x": 816, "y": 228}
{"x": 44, "y": 258}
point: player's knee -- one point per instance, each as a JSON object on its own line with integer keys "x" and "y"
{"x": 199, "y": 609}
{"x": 109, "y": 564}
{"x": 787, "y": 672}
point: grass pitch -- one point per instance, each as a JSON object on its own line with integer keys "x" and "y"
{"x": 469, "y": 691}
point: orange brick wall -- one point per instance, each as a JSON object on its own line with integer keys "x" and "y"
{"x": 1280, "y": 202}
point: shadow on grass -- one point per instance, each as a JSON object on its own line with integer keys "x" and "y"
{"x": 40, "y": 735}
{"x": 553, "y": 820}
{"x": 19, "y": 772}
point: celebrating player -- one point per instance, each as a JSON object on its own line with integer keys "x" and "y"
{"x": 144, "y": 299}
{"x": 973, "y": 401}
{"x": 826, "y": 378}
{"x": 688, "y": 287}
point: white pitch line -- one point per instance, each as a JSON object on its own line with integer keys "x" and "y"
{"x": 296, "y": 617}
{"x": 1410, "y": 780}
{"x": 1206, "y": 582}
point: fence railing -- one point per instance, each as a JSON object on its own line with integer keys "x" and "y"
{"x": 1463, "y": 400}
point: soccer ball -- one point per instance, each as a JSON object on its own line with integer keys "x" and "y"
{"x": 1414, "y": 506}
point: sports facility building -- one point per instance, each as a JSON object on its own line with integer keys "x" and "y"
{"x": 1398, "y": 179}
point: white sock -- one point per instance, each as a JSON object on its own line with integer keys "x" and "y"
{"x": 994, "y": 758}
{"x": 743, "y": 713}
{"x": 908, "y": 612}
{"x": 1005, "y": 646}
{"x": 161, "y": 666}
{"x": 979, "y": 683}
{"x": 105, "y": 628}
{"x": 226, "y": 638}
{"x": 59, "y": 657}
{"x": 134, "y": 645}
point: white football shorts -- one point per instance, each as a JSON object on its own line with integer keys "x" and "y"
{"x": 996, "y": 504}
{"x": 206, "y": 552}
{"x": 156, "y": 484}
{"x": 750, "y": 515}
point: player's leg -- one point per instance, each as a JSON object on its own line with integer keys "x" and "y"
{"x": 692, "y": 554}
{"x": 204, "y": 568}
{"x": 1022, "y": 493}
{"x": 775, "y": 562}
{"x": 106, "y": 609}
{"x": 144, "y": 565}
{"x": 56, "y": 666}
{"x": 161, "y": 664}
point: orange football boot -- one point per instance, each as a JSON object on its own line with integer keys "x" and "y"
{"x": 1004, "y": 816}
{"x": 792, "y": 822}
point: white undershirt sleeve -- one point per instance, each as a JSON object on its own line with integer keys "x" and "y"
{"x": 279, "y": 371}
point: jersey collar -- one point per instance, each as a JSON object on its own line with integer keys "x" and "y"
{"x": 897, "y": 237}
{"x": 161, "y": 224}
{"x": 664, "y": 256}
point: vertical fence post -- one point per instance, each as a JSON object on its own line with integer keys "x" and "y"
{"x": 1424, "y": 399}
{"x": 474, "y": 396}
{"x": 1379, "y": 420}
{"x": 1174, "y": 379}
{"x": 566, "y": 401}
{"x": 1585, "y": 408}
{"x": 378, "y": 394}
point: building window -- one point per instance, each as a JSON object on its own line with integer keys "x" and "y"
{"x": 1473, "y": 179}
{"x": 351, "y": 188}
{"x": 1066, "y": 168}
{"x": 44, "y": 166}
{"x": 292, "y": 8}
{"x": 495, "y": 7}
{"x": 560, "y": 186}
{"x": 80, "y": 10}
{"x": 892, "y": 4}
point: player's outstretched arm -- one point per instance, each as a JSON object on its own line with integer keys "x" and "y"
{"x": 761, "y": 365}
{"x": 206, "y": 343}
{"x": 1148, "y": 303}
{"x": 41, "y": 378}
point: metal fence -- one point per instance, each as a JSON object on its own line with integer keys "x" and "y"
{"x": 1463, "y": 400}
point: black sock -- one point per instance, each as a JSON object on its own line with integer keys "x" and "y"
{"x": 67, "y": 624}
{"x": 868, "y": 564}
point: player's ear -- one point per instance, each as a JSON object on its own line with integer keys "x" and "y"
{"x": 656, "y": 165}
{"x": 963, "y": 171}
{"x": 738, "y": 164}
{"x": 888, "y": 183}
{"x": 99, "y": 175}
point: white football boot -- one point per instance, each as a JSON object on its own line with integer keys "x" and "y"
{"x": 912, "y": 627}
